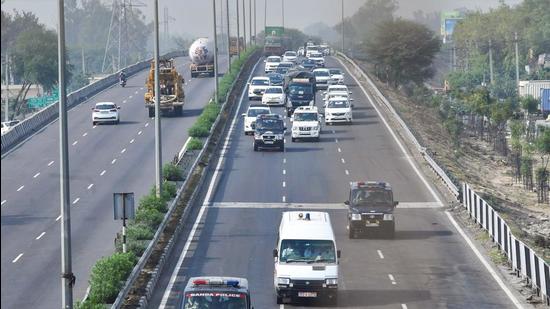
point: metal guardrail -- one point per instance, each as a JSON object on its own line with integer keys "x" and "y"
{"x": 453, "y": 188}
{"x": 38, "y": 121}
{"x": 167, "y": 250}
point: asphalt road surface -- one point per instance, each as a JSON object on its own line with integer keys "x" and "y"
{"x": 427, "y": 265}
{"x": 103, "y": 159}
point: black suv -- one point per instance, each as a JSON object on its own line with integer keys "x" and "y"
{"x": 269, "y": 132}
{"x": 370, "y": 208}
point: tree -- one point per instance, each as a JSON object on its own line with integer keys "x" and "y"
{"x": 404, "y": 51}
{"x": 529, "y": 104}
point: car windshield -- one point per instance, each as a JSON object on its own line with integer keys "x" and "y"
{"x": 286, "y": 65}
{"x": 253, "y": 112}
{"x": 316, "y": 55}
{"x": 337, "y": 89}
{"x": 305, "y": 117}
{"x": 309, "y": 61}
{"x": 269, "y": 124}
{"x": 274, "y": 90}
{"x": 282, "y": 70}
{"x": 307, "y": 251}
{"x": 290, "y": 53}
{"x": 274, "y": 59}
{"x": 260, "y": 82}
{"x": 338, "y": 104}
{"x": 366, "y": 197}
{"x": 335, "y": 71}
{"x": 217, "y": 300}
{"x": 105, "y": 106}
{"x": 320, "y": 73}
{"x": 299, "y": 89}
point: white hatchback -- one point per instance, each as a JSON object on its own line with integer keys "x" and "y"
{"x": 274, "y": 95}
{"x": 105, "y": 112}
{"x": 251, "y": 114}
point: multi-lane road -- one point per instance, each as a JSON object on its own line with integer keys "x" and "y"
{"x": 103, "y": 159}
{"x": 233, "y": 233}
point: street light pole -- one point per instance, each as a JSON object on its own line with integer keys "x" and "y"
{"x": 250, "y": 20}
{"x": 517, "y": 61}
{"x": 342, "y": 26}
{"x": 215, "y": 54}
{"x": 158, "y": 144}
{"x": 265, "y": 16}
{"x": 244, "y": 25}
{"x": 255, "y": 32}
{"x": 67, "y": 276}
{"x": 238, "y": 32}
{"x": 228, "y": 37}
{"x": 283, "y": 12}
{"x": 7, "y": 106}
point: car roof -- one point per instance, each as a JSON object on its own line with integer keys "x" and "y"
{"x": 321, "y": 70}
{"x": 278, "y": 87}
{"x": 338, "y": 98}
{"x": 273, "y": 57}
{"x": 306, "y": 109}
{"x": 100, "y": 103}
{"x": 296, "y": 225}
{"x": 243, "y": 284}
{"x": 258, "y": 106}
{"x": 260, "y": 78}
{"x": 370, "y": 184}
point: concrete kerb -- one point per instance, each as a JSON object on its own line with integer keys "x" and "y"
{"x": 167, "y": 250}
{"x": 421, "y": 149}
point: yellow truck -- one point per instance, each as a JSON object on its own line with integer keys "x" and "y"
{"x": 171, "y": 83}
{"x": 233, "y": 51}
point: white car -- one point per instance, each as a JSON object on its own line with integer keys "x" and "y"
{"x": 338, "y": 109}
{"x": 290, "y": 56}
{"x": 251, "y": 114}
{"x": 305, "y": 123}
{"x": 336, "y": 76}
{"x": 8, "y": 125}
{"x": 336, "y": 94}
{"x": 257, "y": 86}
{"x": 337, "y": 88}
{"x": 322, "y": 78}
{"x": 274, "y": 95}
{"x": 318, "y": 58}
{"x": 105, "y": 112}
{"x": 271, "y": 63}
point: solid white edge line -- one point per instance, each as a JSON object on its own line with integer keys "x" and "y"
{"x": 17, "y": 258}
{"x": 206, "y": 199}
{"x": 40, "y": 236}
{"x": 484, "y": 262}
{"x": 432, "y": 191}
{"x": 380, "y": 254}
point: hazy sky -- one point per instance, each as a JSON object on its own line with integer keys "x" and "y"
{"x": 193, "y": 16}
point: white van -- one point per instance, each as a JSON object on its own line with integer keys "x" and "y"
{"x": 306, "y": 258}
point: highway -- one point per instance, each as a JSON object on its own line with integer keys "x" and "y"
{"x": 427, "y": 265}
{"x": 103, "y": 159}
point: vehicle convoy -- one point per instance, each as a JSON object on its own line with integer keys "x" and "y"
{"x": 201, "y": 53}
{"x": 216, "y": 293}
{"x": 105, "y": 112}
{"x": 233, "y": 48}
{"x": 300, "y": 90}
{"x": 338, "y": 109}
{"x": 257, "y": 87}
{"x": 269, "y": 132}
{"x": 370, "y": 207}
{"x": 305, "y": 123}
{"x": 274, "y": 95}
{"x": 306, "y": 258}
{"x": 171, "y": 82}
{"x": 254, "y": 110}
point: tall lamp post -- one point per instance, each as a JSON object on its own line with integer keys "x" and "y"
{"x": 158, "y": 144}
{"x": 215, "y": 53}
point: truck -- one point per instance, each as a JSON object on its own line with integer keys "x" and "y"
{"x": 532, "y": 87}
{"x": 273, "y": 42}
{"x": 171, "y": 83}
{"x": 370, "y": 208}
{"x": 233, "y": 50}
{"x": 300, "y": 90}
{"x": 201, "y": 53}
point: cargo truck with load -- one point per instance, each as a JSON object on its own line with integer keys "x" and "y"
{"x": 273, "y": 42}
{"x": 233, "y": 48}
{"x": 171, "y": 83}
{"x": 300, "y": 90}
{"x": 201, "y": 53}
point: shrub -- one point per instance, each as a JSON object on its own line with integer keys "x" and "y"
{"x": 199, "y": 130}
{"x": 194, "y": 144}
{"x": 172, "y": 172}
{"x": 153, "y": 202}
{"x": 139, "y": 232}
{"x": 134, "y": 246}
{"x": 89, "y": 305}
{"x": 108, "y": 275}
{"x": 169, "y": 190}
{"x": 149, "y": 216}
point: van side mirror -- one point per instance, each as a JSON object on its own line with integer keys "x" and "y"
{"x": 292, "y": 118}
{"x": 244, "y": 114}
{"x": 338, "y": 253}
{"x": 253, "y": 126}
{"x": 275, "y": 253}
{"x": 346, "y": 203}
{"x": 395, "y": 204}
{"x": 118, "y": 107}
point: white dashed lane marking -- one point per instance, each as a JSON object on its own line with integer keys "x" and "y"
{"x": 336, "y": 140}
{"x": 343, "y": 161}
{"x": 76, "y": 200}
{"x": 123, "y": 101}
{"x": 84, "y": 134}
{"x": 36, "y": 175}
{"x": 392, "y": 279}
{"x": 90, "y": 186}
{"x": 132, "y": 141}
{"x": 284, "y": 160}
{"x": 146, "y": 124}
{"x": 284, "y": 184}
{"x": 139, "y": 133}
{"x": 123, "y": 150}
{"x": 339, "y": 150}
{"x": 130, "y": 97}
{"x": 40, "y": 236}
{"x": 347, "y": 172}
{"x": 103, "y": 173}
{"x": 380, "y": 254}
{"x": 4, "y": 202}
{"x": 284, "y": 172}
{"x": 113, "y": 162}
{"x": 51, "y": 162}
{"x": 94, "y": 127}
{"x": 20, "y": 188}
{"x": 75, "y": 142}
{"x": 17, "y": 258}
{"x": 404, "y": 306}
{"x": 284, "y": 199}
{"x": 57, "y": 219}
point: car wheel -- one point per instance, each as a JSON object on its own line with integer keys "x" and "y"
{"x": 118, "y": 121}
{"x": 93, "y": 123}
{"x": 352, "y": 233}
{"x": 293, "y": 139}
{"x": 332, "y": 299}
{"x": 255, "y": 147}
{"x": 151, "y": 112}
{"x": 279, "y": 299}
{"x": 317, "y": 139}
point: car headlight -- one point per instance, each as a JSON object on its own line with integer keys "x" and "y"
{"x": 294, "y": 128}
{"x": 331, "y": 281}
{"x": 279, "y": 136}
{"x": 388, "y": 217}
{"x": 257, "y": 135}
{"x": 355, "y": 217}
{"x": 348, "y": 114}
{"x": 283, "y": 281}
{"x": 315, "y": 128}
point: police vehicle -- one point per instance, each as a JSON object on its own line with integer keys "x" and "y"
{"x": 216, "y": 293}
{"x": 370, "y": 208}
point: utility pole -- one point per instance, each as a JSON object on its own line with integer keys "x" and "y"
{"x": 342, "y": 26}
{"x": 250, "y": 21}
{"x": 283, "y": 12}
{"x": 228, "y": 38}
{"x": 158, "y": 144}
{"x": 238, "y": 32}
{"x": 491, "y": 61}
{"x": 255, "y": 32}
{"x": 517, "y": 61}
{"x": 244, "y": 25}
{"x": 265, "y": 16}
{"x": 7, "y": 106}
{"x": 67, "y": 276}
{"x": 215, "y": 53}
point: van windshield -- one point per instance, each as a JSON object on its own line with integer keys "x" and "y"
{"x": 307, "y": 251}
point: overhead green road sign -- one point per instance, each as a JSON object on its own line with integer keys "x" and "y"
{"x": 274, "y": 31}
